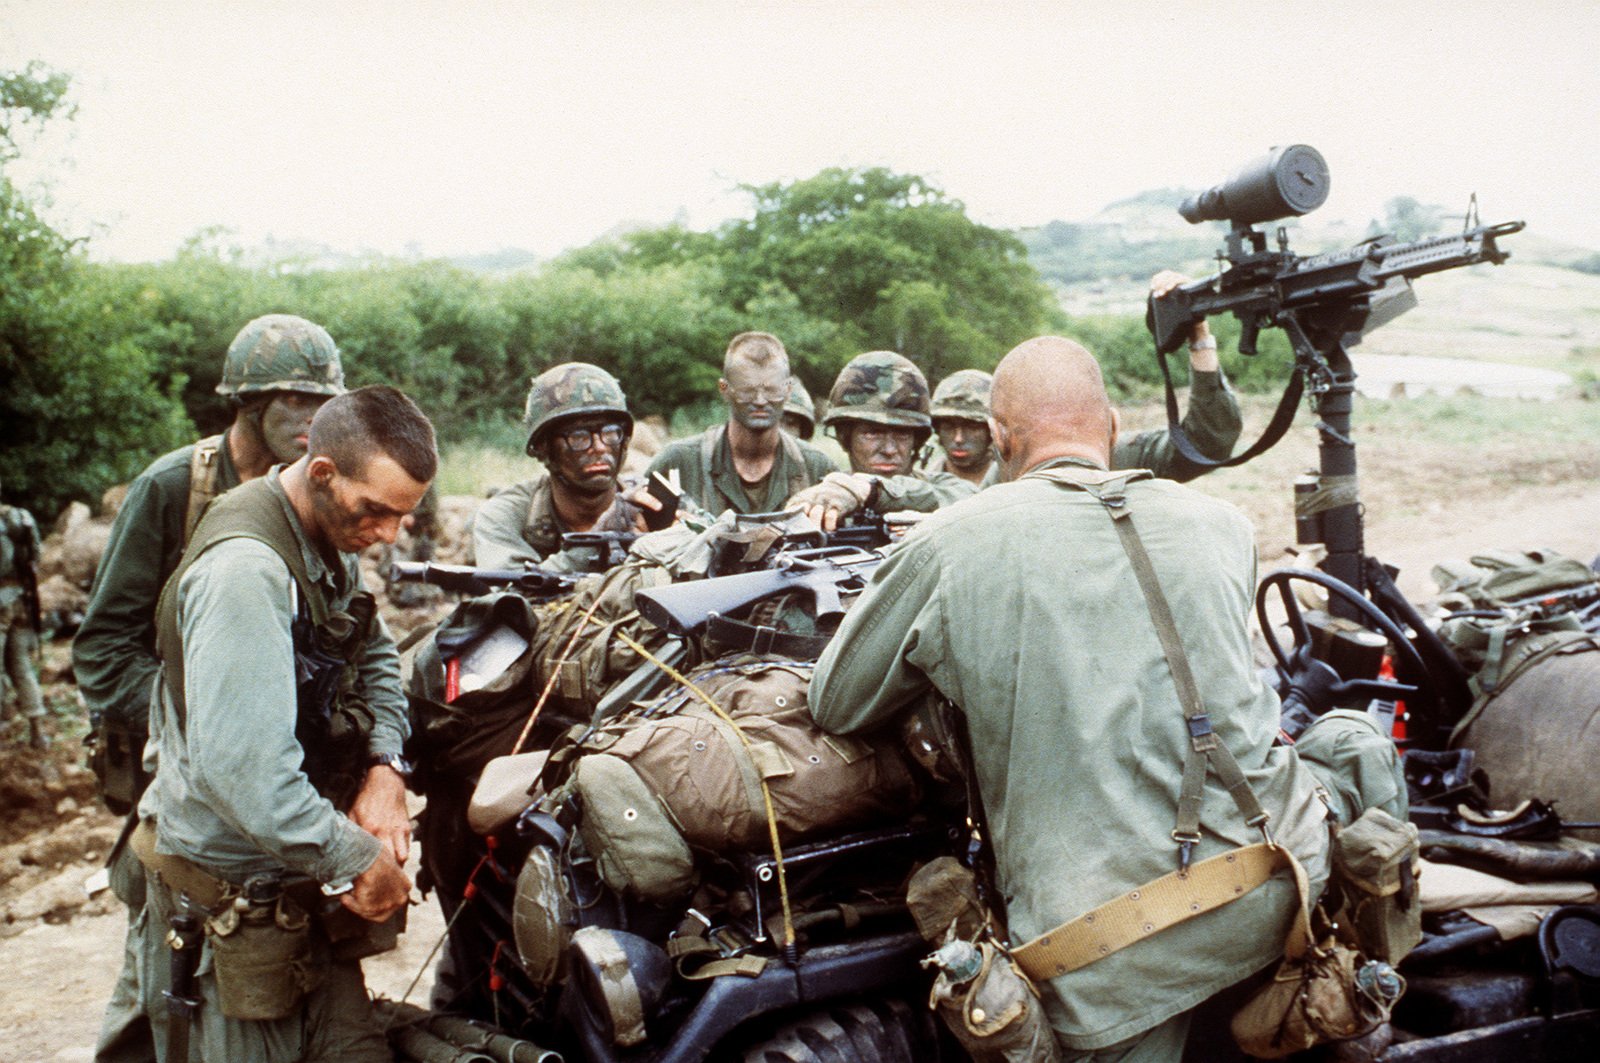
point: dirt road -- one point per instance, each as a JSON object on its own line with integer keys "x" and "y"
{"x": 60, "y": 955}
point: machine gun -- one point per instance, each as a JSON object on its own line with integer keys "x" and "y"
{"x": 533, "y": 583}
{"x": 1325, "y": 303}
{"x": 598, "y": 551}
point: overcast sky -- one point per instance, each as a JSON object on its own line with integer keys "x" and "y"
{"x": 445, "y": 128}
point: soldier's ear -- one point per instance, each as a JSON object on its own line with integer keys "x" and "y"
{"x": 321, "y": 470}
{"x": 1000, "y": 438}
{"x": 1116, "y": 429}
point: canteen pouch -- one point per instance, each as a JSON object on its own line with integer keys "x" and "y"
{"x": 1375, "y": 862}
{"x": 354, "y": 938}
{"x": 262, "y": 958}
{"x": 637, "y": 848}
{"x": 1329, "y": 994}
{"x": 980, "y": 994}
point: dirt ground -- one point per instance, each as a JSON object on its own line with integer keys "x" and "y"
{"x": 60, "y": 949}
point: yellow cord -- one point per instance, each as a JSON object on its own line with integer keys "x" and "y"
{"x": 766, "y": 794}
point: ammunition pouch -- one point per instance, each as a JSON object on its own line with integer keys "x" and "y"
{"x": 334, "y": 722}
{"x": 261, "y": 953}
{"x": 1375, "y": 862}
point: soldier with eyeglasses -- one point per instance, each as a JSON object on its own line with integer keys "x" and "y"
{"x": 747, "y": 464}
{"x": 578, "y": 427}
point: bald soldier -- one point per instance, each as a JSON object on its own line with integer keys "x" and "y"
{"x": 748, "y": 464}
{"x": 1078, "y": 733}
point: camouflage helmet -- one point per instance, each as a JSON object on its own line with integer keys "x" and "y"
{"x": 882, "y": 387}
{"x": 281, "y": 352}
{"x": 801, "y": 406}
{"x": 963, "y": 395}
{"x": 568, "y": 390}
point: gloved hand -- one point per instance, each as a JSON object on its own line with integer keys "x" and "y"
{"x": 837, "y": 496}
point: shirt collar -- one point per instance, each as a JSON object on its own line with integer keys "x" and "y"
{"x": 316, "y": 568}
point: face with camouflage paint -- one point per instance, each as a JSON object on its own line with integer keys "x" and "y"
{"x": 284, "y": 421}
{"x": 591, "y": 468}
{"x": 755, "y": 393}
{"x": 879, "y": 449}
{"x": 965, "y": 443}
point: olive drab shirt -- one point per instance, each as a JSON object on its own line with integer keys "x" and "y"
{"x": 519, "y": 527}
{"x": 230, "y": 794}
{"x": 114, "y": 652}
{"x": 921, "y": 491}
{"x": 707, "y": 474}
{"x": 1021, "y": 606}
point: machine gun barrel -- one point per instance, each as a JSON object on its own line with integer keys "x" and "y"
{"x": 685, "y": 608}
{"x": 464, "y": 579}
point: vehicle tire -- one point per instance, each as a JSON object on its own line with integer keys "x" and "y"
{"x": 886, "y": 1031}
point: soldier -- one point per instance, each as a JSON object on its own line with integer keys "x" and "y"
{"x": 748, "y": 464}
{"x": 1011, "y": 604}
{"x": 799, "y": 412}
{"x": 277, "y": 372}
{"x": 279, "y": 724}
{"x": 960, "y": 413}
{"x": 19, "y": 619}
{"x": 878, "y": 409}
{"x": 578, "y": 427}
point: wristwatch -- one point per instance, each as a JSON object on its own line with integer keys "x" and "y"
{"x": 1208, "y": 343}
{"x": 394, "y": 760}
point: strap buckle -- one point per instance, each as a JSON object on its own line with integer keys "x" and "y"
{"x": 761, "y": 641}
{"x": 1186, "y": 842}
{"x": 1260, "y": 823}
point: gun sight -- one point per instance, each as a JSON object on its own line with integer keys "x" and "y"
{"x": 1285, "y": 182}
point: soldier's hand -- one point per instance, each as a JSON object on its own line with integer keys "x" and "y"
{"x": 837, "y": 496}
{"x": 379, "y": 891}
{"x": 1203, "y": 357}
{"x": 1166, "y": 280}
{"x": 380, "y": 810}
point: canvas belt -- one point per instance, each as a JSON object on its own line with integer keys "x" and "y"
{"x": 201, "y": 886}
{"x": 1150, "y": 909}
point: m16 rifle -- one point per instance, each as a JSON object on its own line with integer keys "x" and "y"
{"x": 534, "y": 583}
{"x": 1325, "y": 303}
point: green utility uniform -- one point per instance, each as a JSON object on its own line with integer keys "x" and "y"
{"x": 114, "y": 652}
{"x": 707, "y": 474}
{"x": 519, "y": 527}
{"x": 230, "y": 795}
{"x": 1212, "y": 424}
{"x": 1021, "y": 606}
{"x": 19, "y": 540}
{"x": 115, "y": 663}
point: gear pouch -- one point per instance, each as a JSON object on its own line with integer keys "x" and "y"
{"x": 262, "y": 958}
{"x": 1375, "y": 861}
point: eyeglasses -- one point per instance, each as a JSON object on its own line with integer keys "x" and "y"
{"x": 579, "y": 440}
{"x": 885, "y": 434}
{"x": 748, "y": 396}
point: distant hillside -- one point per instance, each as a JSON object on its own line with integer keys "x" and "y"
{"x": 1133, "y": 238}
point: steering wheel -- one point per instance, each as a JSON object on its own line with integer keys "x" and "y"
{"x": 1314, "y": 683}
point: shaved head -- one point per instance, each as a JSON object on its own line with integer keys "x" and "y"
{"x": 1050, "y": 401}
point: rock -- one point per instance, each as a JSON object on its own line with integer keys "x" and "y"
{"x": 55, "y": 898}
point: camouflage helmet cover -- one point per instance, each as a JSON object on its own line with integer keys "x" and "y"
{"x": 882, "y": 387}
{"x": 801, "y": 406}
{"x": 282, "y": 352}
{"x": 963, "y": 395}
{"x": 568, "y": 390}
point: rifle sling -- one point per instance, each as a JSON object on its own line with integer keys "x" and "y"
{"x": 761, "y": 639}
{"x": 1282, "y": 418}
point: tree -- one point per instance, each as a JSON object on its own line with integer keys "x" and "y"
{"x": 78, "y": 411}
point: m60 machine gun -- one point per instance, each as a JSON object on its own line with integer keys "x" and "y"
{"x": 1325, "y": 304}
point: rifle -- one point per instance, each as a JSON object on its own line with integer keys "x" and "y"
{"x": 534, "y": 583}
{"x": 598, "y": 551}
{"x": 687, "y": 608}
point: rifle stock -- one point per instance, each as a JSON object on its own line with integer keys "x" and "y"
{"x": 685, "y": 608}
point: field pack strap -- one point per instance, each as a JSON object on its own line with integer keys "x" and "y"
{"x": 1489, "y": 683}
{"x": 1143, "y": 912}
{"x": 204, "y": 473}
{"x": 1206, "y": 751}
{"x": 202, "y": 888}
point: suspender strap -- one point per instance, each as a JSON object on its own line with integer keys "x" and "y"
{"x": 1206, "y": 751}
{"x": 204, "y": 474}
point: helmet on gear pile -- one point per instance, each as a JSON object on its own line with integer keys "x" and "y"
{"x": 568, "y": 390}
{"x": 281, "y": 352}
{"x": 963, "y": 395}
{"x": 882, "y": 387}
{"x": 801, "y": 406}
